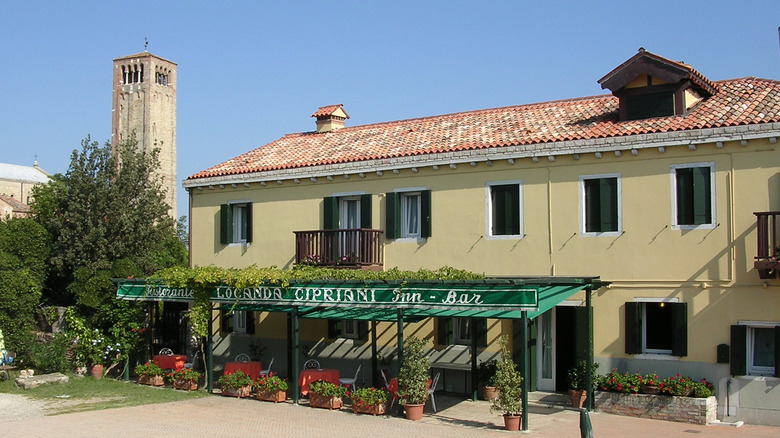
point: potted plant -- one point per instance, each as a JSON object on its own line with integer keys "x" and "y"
{"x": 648, "y": 384}
{"x": 235, "y": 384}
{"x": 413, "y": 378}
{"x": 323, "y": 394}
{"x": 577, "y": 377}
{"x": 186, "y": 379}
{"x": 486, "y": 373}
{"x": 369, "y": 401}
{"x": 271, "y": 387}
{"x": 150, "y": 374}
{"x": 510, "y": 394}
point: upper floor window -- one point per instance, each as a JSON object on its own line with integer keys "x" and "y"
{"x": 408, "y": 214}
{"x": 504, "y": 205}
{"x": 600, "y": 204}
{"x": 694, "y": 190}
{"x": 645, "y": 106}
{"x": 235, "y": 222}
{"x": 754, "y": 348}
{"x": 347, "y": 211}
{"x": 657, "y": 327}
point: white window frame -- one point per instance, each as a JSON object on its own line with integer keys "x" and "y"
{"x": 489, "y": 210}
{"x": 583, "y": 210}
{"x": 713, "y": 210}
{"x": 238, "y": 221}
{"x": 755, "y": 370}
{"x": 456, "y": 326}
{"x": 239, "y": 321}
{"x": 402, "y": 194}
{"x": 648, "y": 353}
{"x": 346, "y": 332}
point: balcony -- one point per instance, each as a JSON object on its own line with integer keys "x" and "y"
{"x": 358, "y": 248}
{"x": 766, "y": 262}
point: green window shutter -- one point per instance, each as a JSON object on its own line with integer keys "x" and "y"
{"x": 633, "y": 328}
{"x": 362, "y": 330}
{"x": 225, "y": 224}
{"x": 425, "y": 214}
{"x": 249, "y": 222}
{"x": 365, "y": 211}
{"x": 702, "y": 205}
{"x": 334, "y": 328}
{"x": 581, "y": 333}
{"x": 777, "y": 351}
{"x": 738, "y": 365}
{"x": 609, "y": 204}
{"x": 250, "y": 318}
{"x": 444, "y": 329}
{"x": 684, "y": 178}
{"x": 330, "y": 217}
{"x": 592, "y": 206}
{"x": 680, "y": 328}
{"x": 393, "y": 216}
{"x": 482, "y": 332}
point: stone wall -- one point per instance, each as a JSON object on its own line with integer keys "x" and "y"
{"x": 658, "y": 407}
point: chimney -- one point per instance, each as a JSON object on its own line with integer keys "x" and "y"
{"x": 330, "y": 118}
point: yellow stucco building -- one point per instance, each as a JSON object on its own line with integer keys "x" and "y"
{"x": 653, "y": 188}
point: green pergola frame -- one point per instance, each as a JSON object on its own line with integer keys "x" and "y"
{"x": 520, "y": 298}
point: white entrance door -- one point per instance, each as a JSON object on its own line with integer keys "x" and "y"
{"x": 545, "y": 357}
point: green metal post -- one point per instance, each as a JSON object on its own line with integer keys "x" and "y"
{"x": 524, "y": 366}
{"x": 589, "y": 368}
{"x": 400, "y": 324}
{"x": 474, "y": 376}
{"x": 210, "y": 350}
{"x": 295, "y": 355}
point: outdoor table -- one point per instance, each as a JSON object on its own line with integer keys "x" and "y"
{"x": 312, "y": 375}
{"x": 170, "y": 362}
{"x": 250, "y": 368}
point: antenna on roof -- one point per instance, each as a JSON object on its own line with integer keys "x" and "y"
{"x": 146, "y": 44}
{"x": 35, "y": 160}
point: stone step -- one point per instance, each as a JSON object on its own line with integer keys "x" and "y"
{"x": 549, "y": 399}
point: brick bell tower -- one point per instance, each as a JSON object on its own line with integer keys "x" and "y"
{"x": 144, "y": 102}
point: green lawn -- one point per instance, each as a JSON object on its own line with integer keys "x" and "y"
{"x": 86, "y": 394}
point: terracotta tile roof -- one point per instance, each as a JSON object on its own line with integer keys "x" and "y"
{"x": 736, "y": 102}
{"x": 17, "y": 206}
{"x": 692, "y": 74}
{"x": 328, "y": 110}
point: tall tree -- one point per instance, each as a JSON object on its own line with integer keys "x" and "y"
{"x": 108, "y": 207}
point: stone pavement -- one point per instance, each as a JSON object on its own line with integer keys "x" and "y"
{"x": 218, "y": 416}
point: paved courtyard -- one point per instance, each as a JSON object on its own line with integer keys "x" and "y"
{"x": 218, "y": 416}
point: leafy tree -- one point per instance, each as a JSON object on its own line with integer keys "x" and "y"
{"x": 24, "y": 250}
{"x": 109, "y": 206}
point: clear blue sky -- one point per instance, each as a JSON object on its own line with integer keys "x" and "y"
{"x": 250, "y": 72}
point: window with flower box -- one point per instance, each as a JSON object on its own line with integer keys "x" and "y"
{"x": 656, "y": 326}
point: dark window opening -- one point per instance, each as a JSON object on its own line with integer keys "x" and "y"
{"x": 645, "y": 106}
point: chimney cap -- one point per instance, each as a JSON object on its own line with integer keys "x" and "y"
{"x": 331, "y": 110}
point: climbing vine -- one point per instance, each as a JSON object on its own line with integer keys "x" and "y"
{"x": 203, "y": 279}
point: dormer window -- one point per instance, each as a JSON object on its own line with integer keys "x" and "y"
{"x": 651, "y": 86}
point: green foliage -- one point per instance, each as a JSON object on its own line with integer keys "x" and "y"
{"x": 507, "y": 380}
{"x": 271, "y": 382}
{"x": 413, "y": 376}
{"x": 368, "y": 396}
{"x": 327, "y": 389}
{"x": 24, "y": 250}
{"x": 235, "y": 380}
{"x": 108, "y": 206}
{"x": 486, "y": 372}
{"x": 149, "y": 369}
{"x": 184, "y": 374}
{"x": 577, "y": 376}
{"x": 677, "y": 385}
{"x": 50, "y": 355}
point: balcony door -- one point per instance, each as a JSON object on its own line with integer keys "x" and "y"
{"x": 349, "y": 219}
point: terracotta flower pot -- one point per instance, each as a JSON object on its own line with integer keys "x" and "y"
{"x": 187, "y": 385}
{"x": 489, "y": 393}
{"x": 512, "y": 422}
{"x": 239, "y": 392}
{"x": 377, "y": 409}
{"x": 274, "y": 396}
{"x": 97, "y": 371}
{"x": 578, "y": 398}
{"x": 413, "y": 412}
{"x": 321, "y": 401}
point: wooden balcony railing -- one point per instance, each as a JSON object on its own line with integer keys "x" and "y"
{"x": 352, "y": 248}
{"x": 766, "y": 262}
